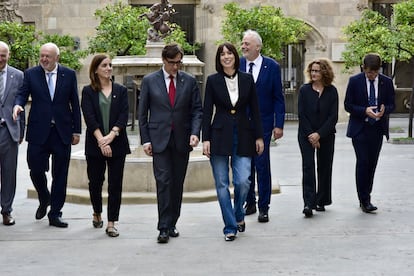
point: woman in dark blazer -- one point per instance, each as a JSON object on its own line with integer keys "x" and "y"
{"x": 318, "y": 115}
{"x": 105, "y": 110}
{"x": 234, "y": 134}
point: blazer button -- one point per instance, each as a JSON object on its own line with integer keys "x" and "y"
{"x": 233, "y": 111}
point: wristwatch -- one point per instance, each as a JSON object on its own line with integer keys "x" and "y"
{"x": 115, "y": 131}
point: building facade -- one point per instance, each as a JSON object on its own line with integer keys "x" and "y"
{"x": 202, "y": 19}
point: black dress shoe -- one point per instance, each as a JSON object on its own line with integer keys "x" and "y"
{"x": 307, "y": 211}
{"x": 250, "y": 209}
{"x": 57, "y": 222}
{"x": 320, "y": 208}
{"x": 241, "y": 227}
{"x": 173, "y": 232}
{"x": 164, "y": 236}
{"x": 230, "y": 237}
{"x": 368, "y": 208}
{"x": 263, "y": 217}
{"x": 8, "y": 219}
{"x": 41, "y": 211}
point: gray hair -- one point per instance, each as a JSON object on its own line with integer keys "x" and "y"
{"x": 51, "y": 45}
{"x": 255, "y": 35}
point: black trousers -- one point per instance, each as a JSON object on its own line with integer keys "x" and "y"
{"x": 170, "y": 168}
{"x": 38, "y": 162}
{"x": 96, "y": 167}
{"x": 367, "y": 146}
{"x": 320, "y": 194}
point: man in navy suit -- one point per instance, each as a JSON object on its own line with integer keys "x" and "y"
{"x": 11, "y": 132}
{"x": 267, "y": 76}
{"x": 54, "y": 124}
{"x": 369, "y": 100}
{"x": 170, "y": 115}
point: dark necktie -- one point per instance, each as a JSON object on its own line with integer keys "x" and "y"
{"x": 171, "y": 90}
{"x": 251, "y": 64}
{"x": 371, "y": 101}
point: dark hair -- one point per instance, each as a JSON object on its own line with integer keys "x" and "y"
{"x": 231, "y": 48}
{"x": 95, "y": 82}
{"x": 171, "y": 51}
{"x": 372, "y": 61}
{"x": 327, "y": 74}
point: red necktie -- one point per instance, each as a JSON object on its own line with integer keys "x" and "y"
{"x": 171, "y": 90}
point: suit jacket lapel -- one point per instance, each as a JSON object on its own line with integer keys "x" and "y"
{"x": 262, "y": 69}
{"x": 59, "y": 80}
{"x": 380, "y": 89}
{"x": 162, "y": 88}
{"x": 179, "y": 87}
{"x": 9, "y": 79}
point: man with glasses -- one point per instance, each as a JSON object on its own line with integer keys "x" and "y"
{"x": 369, "y": 100}
{"x": 170, "y": 115}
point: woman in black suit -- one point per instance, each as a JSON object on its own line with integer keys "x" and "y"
{"x": 234, "y": 135}
{"x": 105, "y": 110}
{"x": 318, "y": 114}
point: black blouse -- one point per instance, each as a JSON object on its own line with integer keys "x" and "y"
{"x": 317, "y": 114}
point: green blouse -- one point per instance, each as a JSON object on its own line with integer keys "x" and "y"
{"x": 105, "y": 107}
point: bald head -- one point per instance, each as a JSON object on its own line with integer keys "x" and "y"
{"x": 4, "y": 54}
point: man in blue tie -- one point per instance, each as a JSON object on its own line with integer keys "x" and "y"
{"x": 267, "y": 77}
{"x": 369, "y": 100}
{"x": 54, "y": 125}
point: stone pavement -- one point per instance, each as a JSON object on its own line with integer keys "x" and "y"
{"x": 341, "y": 241}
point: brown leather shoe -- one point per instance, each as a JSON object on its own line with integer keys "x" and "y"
{"x": 8, "y": 219}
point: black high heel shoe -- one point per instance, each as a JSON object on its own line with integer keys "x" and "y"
{"x": 97, "y": 221}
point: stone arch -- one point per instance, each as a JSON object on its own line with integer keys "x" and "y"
{"x": 315, "y": 41}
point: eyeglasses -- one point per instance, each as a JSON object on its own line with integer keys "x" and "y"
{"x": 315, "y": 71}
{"x": 178, "y": 63}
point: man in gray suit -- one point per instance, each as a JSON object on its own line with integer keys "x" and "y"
{"x": 170, "y": 116}
{"x": 11, "y": 132}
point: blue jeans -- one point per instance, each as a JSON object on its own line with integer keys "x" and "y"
{"x": 241, "y": 171}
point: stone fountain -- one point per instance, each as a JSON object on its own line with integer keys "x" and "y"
{"x": 139, "y": 183}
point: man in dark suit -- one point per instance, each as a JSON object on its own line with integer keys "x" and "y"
{"x": 11, "y": 132}
{"x": 54, "y": 124}
{"x": 266, "y": 74}
{"x": 369, "y": 100}
{"x": 170, "y": 116}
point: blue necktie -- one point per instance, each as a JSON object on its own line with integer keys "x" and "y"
{"x": 51, "y": 85}
{"x": 251, "y": 64}
{"x": 372, "y": 100}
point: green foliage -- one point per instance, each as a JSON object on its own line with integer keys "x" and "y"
{"x": 404, "y": 28}
{"x": 178, "y": 36}
{"x": 20, "y": 39}
{"x": 68, "y": 56}
{"x": 122, "y": 31}
{"x": 374, "y": 33}
{"x": 275, "y": 29}
{"x": 371, "y": 33}
{"x": 24, "y": 43}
